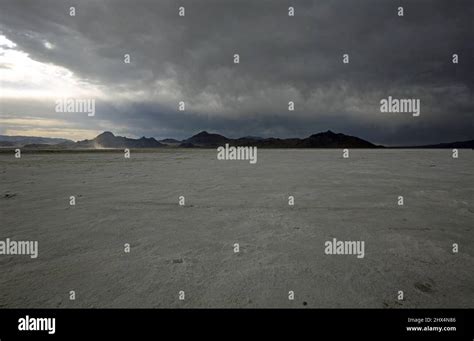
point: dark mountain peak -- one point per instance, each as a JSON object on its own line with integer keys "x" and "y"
{"x": 330, "y": 139}
{"x": 105, "y": 134}
{"x": 202, "y": 133}
{"x": 206, "y": 139}
{"x": 205, "y": 134}
{"x": 169, "y": 140}
{"x": 250, "y": 137}
{"x": 328, "y": 133}
{"x": 106, "y": 138}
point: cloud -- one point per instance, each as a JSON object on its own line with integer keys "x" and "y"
{"x": 282, "y": 59}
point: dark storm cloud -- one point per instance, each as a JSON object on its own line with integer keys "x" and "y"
{"x": 282, "y": 59}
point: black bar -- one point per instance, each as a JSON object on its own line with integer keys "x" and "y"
{"x": 151, "y": 324}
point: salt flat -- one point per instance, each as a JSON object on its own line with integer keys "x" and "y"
{"x": 191, "y": 248}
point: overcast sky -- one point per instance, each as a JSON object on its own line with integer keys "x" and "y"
{"x": 46, "y": 55}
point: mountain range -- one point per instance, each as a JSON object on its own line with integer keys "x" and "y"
{"x": 108, "y": 140}
{"x": 327, "y": 139}
{"x": 14, "y": 141}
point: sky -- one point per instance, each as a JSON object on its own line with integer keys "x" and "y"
{"x": 48, "y": 55}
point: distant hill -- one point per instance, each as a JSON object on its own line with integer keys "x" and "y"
{"x": 204, "y": 139}
{"x": 109, "y": 140}
{"x": 169, "y": 141}
{"x": 333, "y": 140}
{"x": 39, "y": 145}
{"x": 20, "y": 141}
{"x": 460, "y": 144}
